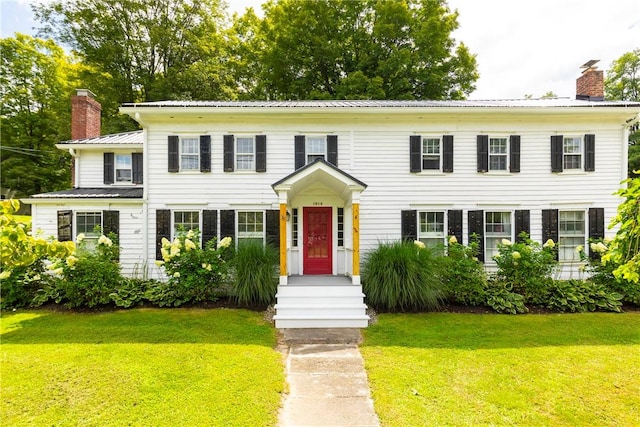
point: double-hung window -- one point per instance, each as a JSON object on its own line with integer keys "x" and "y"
{"x": 184, "y": 221}
{"x": 498, "y": 154}
{"x": 432, "y": 229}
{"x": 245, "y": 153}
{"x": 90, "y": 225}
{"x": 316, "y": 148}
{"x": 572, "y": 153}
{"x": 497, "y": 227}
{"x": 250, "y": 227}
{"x": 571, "y": 234}
{"x": 123, "y": 167}
{"x": 431, "y": 153}
{"x": 189, "y": 153}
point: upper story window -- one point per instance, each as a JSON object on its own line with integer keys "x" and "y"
{"x": 189, "y": 154}
{"x": 123, "y": 168}
{"x": 431, "y": 230}
{"x": 571, "y": 234}
{"x": 431, "y": 153}
{"x": 498, "y": 150}
{"x": 245, "y": 153}
{"x": 497, "y": 227}
{"x": 498, "y": 153}
{"x": 316, "y": 148}
{"x": 572, "y": 153}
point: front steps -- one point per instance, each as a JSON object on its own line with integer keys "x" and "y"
{"x": 320, "y": 306}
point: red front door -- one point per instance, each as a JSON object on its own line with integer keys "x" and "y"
{"x": 317, "y": 240}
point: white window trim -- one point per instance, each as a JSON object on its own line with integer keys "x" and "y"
{"x": 308, "y": 153}
{"x": 428, "y": 235}
{"x": 236, "y": 152}
{"x": 487, "y": 257}
{"x": 505, "y": 155}
{"x": 580, "y": 153}
{"x": 173, "y": 221}
{"x": 264, "y": 225}
{"x": 88, "y": 234}
{"x": 181, "y": 153}
{"x": 585, "y": 218}
{"x": 423, "y": 154}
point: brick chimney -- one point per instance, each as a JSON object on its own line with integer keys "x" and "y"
{"x": 85, "y": 115}
{"x": 590, "y": 85}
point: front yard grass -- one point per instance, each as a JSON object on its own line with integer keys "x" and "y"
{"x": 467, "y": 369}
{"x": 150, "y": 367}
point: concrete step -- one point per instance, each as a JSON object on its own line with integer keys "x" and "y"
{"x": 292, "y": 322}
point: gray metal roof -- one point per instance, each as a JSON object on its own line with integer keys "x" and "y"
{"x": 538, "y": 103}
{"x": 126, "y": 138}
{"x": 94, "y": 193}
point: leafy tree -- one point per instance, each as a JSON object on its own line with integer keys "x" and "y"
{"x": 153, "y": 49}
{"x": 35, "y": 90}
{"x": 623, "y": 83}
{"x": 372, "y": 49}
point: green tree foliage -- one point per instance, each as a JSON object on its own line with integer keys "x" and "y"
{"x": 153, "y": 49}
{"x": 35, "y": 111}
{"x": 372, "y": 49}
{"x": 623, "y": 83}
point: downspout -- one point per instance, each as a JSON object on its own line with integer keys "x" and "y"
{"x": 74, "y": 160}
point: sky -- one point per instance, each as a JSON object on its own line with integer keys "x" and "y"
{"x": 522, "y": 47}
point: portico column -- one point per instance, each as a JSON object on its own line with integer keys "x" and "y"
{"x": 282, "y": 196}
{"x": 355, "y": 220}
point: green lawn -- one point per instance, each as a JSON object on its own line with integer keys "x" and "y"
{"x": 150, "y": 367}
{"x": 477, "y": 370}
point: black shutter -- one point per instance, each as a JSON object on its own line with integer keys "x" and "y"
{"x": 447, "y": 155}
{"x": 65, "y": 226}
{"x": 272, "y": 227}
{"x": 332, "y": 149}
{"x": 228, "y": 224}
{"x": 590, "y": 153}
{"x": 454, "y": 223}
{"x": 261, "y": 153}
{"x": 163, "y": 229}
{"x": 110, "y": 222}
{"x": 205, "y": 153}
{"x": 137, "y": 168}
{"x": 556, "y": 153}
{"x": 299, "y": 146}
{"x": 415, "y": 153}
{"x": 514, "y": 153}
{"x": 522, "y": 224}
{"x": 476, "y": 230}
{"x": 483, "y": 153}
{"x": 596, "y": 228}
{"x": 227, "y": 144}
{"x": 209, "y": 226}
{"x": 550, "y": 226}
{"x": 409, "y": 225}
{"x": 108, "y": 168}
{"x": 174, "y": 153}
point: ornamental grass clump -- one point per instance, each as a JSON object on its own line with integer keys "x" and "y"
{"x": 194, "y": 274}
{"x": 402, "y": 276}
{"x": 255, "y": 276}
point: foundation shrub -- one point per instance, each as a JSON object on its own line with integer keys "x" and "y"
{"x": 402, "y": 276}
{"x": 582, "y": 296}
{"x": 462, "y": 274}
{"x": 254, "y": 274}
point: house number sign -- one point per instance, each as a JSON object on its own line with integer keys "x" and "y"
{"x": 317, "y": 203}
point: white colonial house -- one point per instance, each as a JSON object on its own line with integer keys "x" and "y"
{"x": 326, "y": 181}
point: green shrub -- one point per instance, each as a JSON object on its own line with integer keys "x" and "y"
{"x": 582, "y": 296}
{"x": 462, "y": 275}
{"x": 502, "y": 300}
{"x": 526, "y": 267}
{"x": 131, "y": 292}
{"x": 255, "y": 275}
{"x": 194, "y": 274}
{"x": 402, "y": 276}
{"x": 90, "y": 281}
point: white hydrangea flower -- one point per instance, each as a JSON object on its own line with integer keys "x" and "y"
{"x": 80, "y": 237}
{"x": 189, "y": 245}
{"x": 549, "y": 244}
{"x": 225, "y": 242}
{"x": 516, "y": 255}
{"x": 419, "y": 244}
{"x": 506, "y": 242}
{"x": 453, "y": 240}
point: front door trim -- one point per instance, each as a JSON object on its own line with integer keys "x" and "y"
{"x": 317, "y": 240}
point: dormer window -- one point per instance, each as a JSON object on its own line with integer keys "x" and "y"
{"x": 123, "y": 168}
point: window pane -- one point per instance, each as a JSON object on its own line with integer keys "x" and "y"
{"x": 571, "y": 230}
{"x": 190, "y": 154}
{"x": 497, "y": 227}
{"x": 183, "y": 221}
{"x": 123, "y": 168}
{"x": 88, "y": 223}
{"x": 498, "y": 154}
{"x": 250, "y": 227}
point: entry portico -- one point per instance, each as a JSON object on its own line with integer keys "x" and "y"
{"x": 319, "y": 203}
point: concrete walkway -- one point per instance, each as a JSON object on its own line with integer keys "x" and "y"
{"x": 327, "y": 382}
